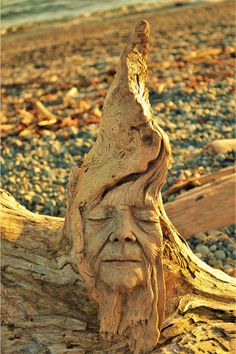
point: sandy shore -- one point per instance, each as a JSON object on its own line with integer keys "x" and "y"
{"x": 61, "y": 39}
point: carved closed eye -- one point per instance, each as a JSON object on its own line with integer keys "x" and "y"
{"x": 99, "y": 215}
{"x": 100, "y": 218}
{"x": 146, "y": 216}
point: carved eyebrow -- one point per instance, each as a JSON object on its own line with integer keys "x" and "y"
{"x": 145, "y": 214}
{"x": 98, "y": 213}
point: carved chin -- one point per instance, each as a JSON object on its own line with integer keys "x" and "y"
{"x": 128, "y": 303}
{"x": 122, "y": 276}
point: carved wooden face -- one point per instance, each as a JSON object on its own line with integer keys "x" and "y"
{"x": 121, "y": 240}
{"x": 123, "y": 249}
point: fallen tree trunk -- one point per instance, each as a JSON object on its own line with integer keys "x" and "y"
{"x": 210, "y": 205}
{"x": 163, "y": 300}
{"x": 46, "y": 307}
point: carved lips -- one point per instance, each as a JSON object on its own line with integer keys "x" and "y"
{"x": 121, "y": 253}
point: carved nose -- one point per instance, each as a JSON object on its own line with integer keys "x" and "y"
{"x": 122, "y": 238}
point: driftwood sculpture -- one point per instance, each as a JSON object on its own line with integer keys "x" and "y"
{"x": 145, "y": 286}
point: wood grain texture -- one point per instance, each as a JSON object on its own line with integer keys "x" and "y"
{"x": 206, "y": 207}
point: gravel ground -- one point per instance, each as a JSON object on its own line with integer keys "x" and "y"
{"x": 68, "y": 67}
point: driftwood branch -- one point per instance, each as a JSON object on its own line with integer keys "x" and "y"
{"x": 210, "y": 201}
{"x": 147, "y": 291}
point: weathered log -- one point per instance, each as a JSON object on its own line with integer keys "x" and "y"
{"x": 209, "y": 205}
{"x": 199, "y": 181}
{"x": 222, "y": 146}
{"x": 46, "y": 308}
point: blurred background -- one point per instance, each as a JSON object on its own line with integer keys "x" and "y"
{"x": 58, "y": 61}
{"x": 16, "y": 12}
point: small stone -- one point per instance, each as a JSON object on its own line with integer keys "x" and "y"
{"x": 53, "y": 203}
{"x": 37, "y": 199}
{"x": 79, "y": 141}
{"x": 202, "y": 249}
{"x": 219, "y": 263}
{"x": 171, "y": 198}
{"x": 213, "y": 232}
{"x": 234, "y": 254}
{"x": 228, "y": 269}
{"x": 187, "y": 108}
{"x": 213, "y": 248}
{"x": 200, "y": 236}
{"x": 220, "y": 157}
{"x": 37, "y": 188}
{"x": 212, "y": 261}
{"x": 28, "y": 196}
{"x": 205, "y": 163}
{"x": 199, "y": 255}
{"x": 220, "y": 254}
{"x": 12, "y": 179}
{"x": 18, "y": 143}
{"x": 73, "y": 92}
{"x": 191, "y": 148}
{"x": 230, "y": 247}
{"x": 211, "y": 97}
{"x": 232, "y": 272}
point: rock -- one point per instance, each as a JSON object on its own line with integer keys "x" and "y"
{"x": 211, "y": 97}
{"x": 220, "y": 157}
{"x": 200, "y": 236}
{"x": 73, "y": 131}
{"x": 212, "y": 261}
{"x": 230, "y": 247}
{"x": 220, "y": 254}
{"x": 202, "y": 249}
{"x": 213, "y": 248}
{"x": 234, "y": 254}
{"x": 37, "y": 188}
{"x": 199, "y": 255}
{"x": 73, "y": 92}
{"x": 227, "y": 268}
{"x": 37, "y": 199}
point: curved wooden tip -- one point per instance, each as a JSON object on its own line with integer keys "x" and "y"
{"x": 139, "y": 40}
{"x": 132, "y": 72}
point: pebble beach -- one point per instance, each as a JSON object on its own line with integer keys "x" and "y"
{"x": 55, "y": 77}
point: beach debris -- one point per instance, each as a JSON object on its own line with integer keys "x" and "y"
{"x": 222, "y": 146}
{"x": 44, "y": 123}
{"x": 205, "y": 52}
{"x": 193, "y": 182}
{"x": 27, "y": 132}
{"x": 43, "y": 111}
{"x": 217, "y": 189}
{"x": 9, "y": 129}
{"x": 73, "y": 92}
{"x": 27, "y": 117}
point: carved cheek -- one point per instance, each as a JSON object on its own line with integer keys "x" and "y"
{"x": 96, "y": 236}
{"x": 149, "y": 236}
